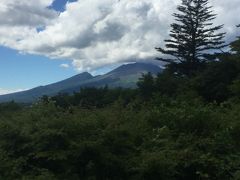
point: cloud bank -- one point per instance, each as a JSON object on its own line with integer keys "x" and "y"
{"x": 94, "y": 33}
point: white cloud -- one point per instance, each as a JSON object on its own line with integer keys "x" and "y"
{"x": 21, "y": 19}
{"x": 25, "y": 12}
{"x": 9, "y": 91}
{"x": 95, "y": 33}
{"x": 64, "y": 66}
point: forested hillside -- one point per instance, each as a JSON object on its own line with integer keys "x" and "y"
{"x": 183, "y": 124}
{"x": 170, "y": 127}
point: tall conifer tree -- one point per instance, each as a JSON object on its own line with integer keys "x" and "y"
{"x": 235, "y": 46}
{"x": 193, "y": 38}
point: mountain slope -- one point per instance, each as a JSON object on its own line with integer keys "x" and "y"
{"x": 125, "y": 76}
{"x": 52, "y": 89}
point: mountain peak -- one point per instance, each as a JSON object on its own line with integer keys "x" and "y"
{"x": 127, "y": 69}
{"x": 125, "y": 76}
{"x": 81, "y": 76}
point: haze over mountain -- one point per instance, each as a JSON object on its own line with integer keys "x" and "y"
{"x": 125, "y": 76}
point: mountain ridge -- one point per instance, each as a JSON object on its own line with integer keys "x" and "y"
{"x": 125, "y": 76}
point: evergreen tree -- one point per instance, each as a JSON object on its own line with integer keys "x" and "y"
{"x": 235, "y": 46}
{"x": 146, "y": 85}
{"x": 193, "y": 37}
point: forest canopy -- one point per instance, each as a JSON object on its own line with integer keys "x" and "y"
{"x": 170, "y": 127}
{"x": 174, "y": 126}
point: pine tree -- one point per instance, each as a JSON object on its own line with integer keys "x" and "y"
{"x": 235, "y": 46}
{"x": 194, "y": 40}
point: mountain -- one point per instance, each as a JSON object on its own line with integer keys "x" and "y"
{"x": 50, "y": 90}
{"x": 125, "y": 76}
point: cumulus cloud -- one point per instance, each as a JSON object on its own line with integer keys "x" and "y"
{"x": 21, "y": 19}
{"x": 228, "y": 15}
{"x": 25, "y": 12}
{"x": 93, "y": 33}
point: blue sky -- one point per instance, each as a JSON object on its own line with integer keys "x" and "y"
{"x": 20, "y": 71}
{"x": 24, "y": 71}
{"x": 86, "y": 35}
{"x": 59, "y": 5}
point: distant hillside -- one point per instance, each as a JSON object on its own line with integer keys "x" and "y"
{"x": 125, "y": 76}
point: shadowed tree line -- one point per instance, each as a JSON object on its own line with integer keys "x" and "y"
{"x": 170, "y": 127}
{"x": 183, "y": 124}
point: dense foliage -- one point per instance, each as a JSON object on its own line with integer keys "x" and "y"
{"x": 171, "y": 127}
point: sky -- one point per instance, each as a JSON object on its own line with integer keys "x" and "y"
{"x": 44, "y": 41}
